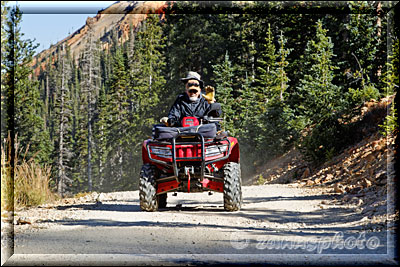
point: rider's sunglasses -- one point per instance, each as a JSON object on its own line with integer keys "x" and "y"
{"x": 193, "y": 84}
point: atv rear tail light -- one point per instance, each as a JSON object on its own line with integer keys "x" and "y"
{"x": 215, "y": 150}
{"x": 161, "y": 151}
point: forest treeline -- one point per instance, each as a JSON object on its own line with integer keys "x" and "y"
{"x": 284, "y": 77}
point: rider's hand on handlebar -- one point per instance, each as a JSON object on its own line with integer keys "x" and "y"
{"x": 164, "y": 120}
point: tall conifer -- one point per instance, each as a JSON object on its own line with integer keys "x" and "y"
{"x": 90, "y": 87}
{"x": 320, "y": 96}
{"x": 63, "y": 113}
{"x": 223, "y": 77}
{"x": 23, "y": 96}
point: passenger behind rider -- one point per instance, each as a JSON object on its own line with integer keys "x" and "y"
{"x": 192, "y": 103}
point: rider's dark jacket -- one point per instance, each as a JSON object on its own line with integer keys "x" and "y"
{"x": 183, "y": 107}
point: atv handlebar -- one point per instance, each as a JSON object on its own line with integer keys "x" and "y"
{"x": 207, "y": 119}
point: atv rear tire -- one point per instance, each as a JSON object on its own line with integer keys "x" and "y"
{"x": 147, "y": 188}
{"x": 232, "y": 187}
{"x": 162, "y": 201}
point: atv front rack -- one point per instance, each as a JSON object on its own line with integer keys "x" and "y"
{"x": 201, "y": 158}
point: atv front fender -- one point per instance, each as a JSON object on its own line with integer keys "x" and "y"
{"x": 145, "y": 157}
{"x": 235, "y": 152}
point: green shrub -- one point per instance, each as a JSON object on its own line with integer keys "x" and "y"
{"x": 390, "y": 123}
{"x": 260, "y": 180}
{"x": 325, "y": 140}
{"x": 360, "y": 95}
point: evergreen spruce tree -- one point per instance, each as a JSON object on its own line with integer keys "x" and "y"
{"x": 80, "y": 182}
{"x": 321, "y": 105}
{"x": 277, "y": 123}
{"x": 4, "y": 12}
{"x": 363, "y": 45}
{"x": 282, "y": 65}
{"x": 147, "y": 84}
{"x": 362, "y": 41}
{"x": 48, "y": 95}
{"x": 320, "y": 96}
{"x": 77, "y": 133}
{"x": 116, "y": 117}
{"x": 265, "y": 85}
{"x": 269, "y": 124}
{"x": 243, "y": 108}
{"x": 147, "y": 66}
{"x": 101, "y": 135}
{"x": 23, "y": 96}
{"x": 223, "y": 77}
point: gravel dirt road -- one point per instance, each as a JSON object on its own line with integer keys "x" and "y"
{"x": 282, "y": 224}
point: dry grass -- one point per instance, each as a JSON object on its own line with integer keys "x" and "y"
{"x": 7, "y": 183}
{"x": 30, "y": 186}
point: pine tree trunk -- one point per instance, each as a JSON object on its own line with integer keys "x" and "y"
{"x": 89, "y": 166}
{"x": 61, "y": 170}
{"x": 101, "y": 152}
{"x": 46, "y": 103}
{"x": 89, "y": 159}
{"x": 90, "y": 93}
{"x": 379, "y": 32}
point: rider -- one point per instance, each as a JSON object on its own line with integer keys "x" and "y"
{"x": 192, "y": 103}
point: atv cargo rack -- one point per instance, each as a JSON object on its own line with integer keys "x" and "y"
{"x": 202, "y": 157}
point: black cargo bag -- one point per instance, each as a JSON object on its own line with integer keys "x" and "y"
{"x": 161, "y": 132}
{"x": 206, "y": 130}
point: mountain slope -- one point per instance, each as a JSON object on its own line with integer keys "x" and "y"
{"x": 363, "y": 174}
{"x": 118, "y": 16}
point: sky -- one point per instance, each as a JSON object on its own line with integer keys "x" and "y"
{"x": 51, "y": 21}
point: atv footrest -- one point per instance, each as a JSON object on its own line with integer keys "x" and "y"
{"x": 167, "y": 186}
{"x": 213, "y": 185}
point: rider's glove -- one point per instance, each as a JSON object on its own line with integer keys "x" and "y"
{"x": 210, "y": 94}
{"x": 165, "y": 121}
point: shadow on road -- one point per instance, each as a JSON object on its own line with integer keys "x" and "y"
{"x": 296, "y": 198}
{"x": 264, "y": 225}
{"x": 328, "y": 216}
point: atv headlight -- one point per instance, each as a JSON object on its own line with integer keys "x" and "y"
{"x": 161, "y": 151}
{"x": 215, "y": 150}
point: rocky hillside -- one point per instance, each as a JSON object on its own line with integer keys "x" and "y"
{"x": 362, "y": 174}
{"x": 118, "y": 16}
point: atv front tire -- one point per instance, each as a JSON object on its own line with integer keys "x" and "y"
{"x": 147, "y": 188}
{"x": 232, "y": 186}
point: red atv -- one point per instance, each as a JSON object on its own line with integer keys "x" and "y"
{"x": 192, "y": 158}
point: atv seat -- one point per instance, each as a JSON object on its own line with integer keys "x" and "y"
{"x": 161, "y": 132}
